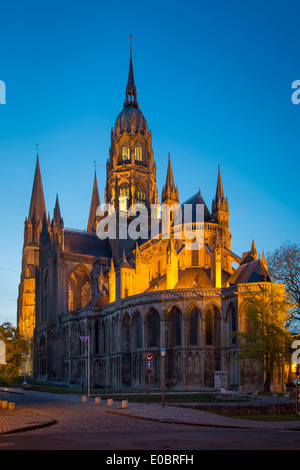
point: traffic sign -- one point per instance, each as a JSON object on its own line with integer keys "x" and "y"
{"x": 148, "y": 371}
{"x": 149, "y": 365}
{"x": 148, "y": 356}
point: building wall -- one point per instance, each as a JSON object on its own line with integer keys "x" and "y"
{"x": 196, "y": 332}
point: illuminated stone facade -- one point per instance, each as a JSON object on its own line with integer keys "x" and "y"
{"x": 135, "y": 296}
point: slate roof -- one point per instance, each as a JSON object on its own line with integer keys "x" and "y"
{"x": 99, "y": 300}
{"x": 188, "y": 278}
{"x": 254, "y": 271}
{"x": 85, "y": 243}
{"x": 198, "y": 199}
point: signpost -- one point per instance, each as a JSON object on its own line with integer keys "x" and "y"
{"x": 149, "y": 364}
{"x": 163, "y": 355}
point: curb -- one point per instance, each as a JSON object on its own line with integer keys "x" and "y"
{"x": 29, "y": 428}
{"x": 225, "y": 426}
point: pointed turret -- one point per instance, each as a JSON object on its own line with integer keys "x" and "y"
{"x": 57, "y": 218}
{"x": 95, "y": 203}
{"x": 57, "y": 226}
{"x": 37, "y": 204}
{"x": 220, "y": 207}
{"x": 253, "y": 251}
{"x": 264, "y": 261}
{"x": 170, "y": 193}
{"x": 251, "y": 255}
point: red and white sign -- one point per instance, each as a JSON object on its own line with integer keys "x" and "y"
{"x": 148, "y": 356}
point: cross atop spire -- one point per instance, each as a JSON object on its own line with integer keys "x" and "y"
{"x": 131, "y": 38}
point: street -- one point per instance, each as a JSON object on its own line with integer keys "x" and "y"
{"x": 84, "y": 426}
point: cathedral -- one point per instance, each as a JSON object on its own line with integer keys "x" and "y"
{"x": 96, "y": 306}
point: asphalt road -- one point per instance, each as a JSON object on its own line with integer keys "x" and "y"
{"x": 179, "y": 439}
{"x": 81, "y": 427}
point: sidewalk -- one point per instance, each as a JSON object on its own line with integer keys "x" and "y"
{"x": 24, "y": 418}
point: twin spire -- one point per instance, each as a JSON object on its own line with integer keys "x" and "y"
{"x": 37, "y": 208}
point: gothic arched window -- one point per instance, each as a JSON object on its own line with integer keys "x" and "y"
{"x": 79, "y": 288}
{"x": 138, "y": 152}
{"x": 193, "y": 326}
{"x": 175, "y": 327}
{"x": 209, "y": 328}
{"x": 124, "y": 196}
{"x": 140, "y": 194}
{"x": 125, "y": 151}
{"x": 152, "y": 326}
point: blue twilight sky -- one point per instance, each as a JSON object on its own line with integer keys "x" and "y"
{"x": 214, "y": 83}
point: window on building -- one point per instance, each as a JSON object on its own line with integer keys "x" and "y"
{"x": 138, "y": 153}
{"x": 209, "y": 328}
{"x": 124, "y": 196}
{"x": 140, "y": 194}
{"x": 125, "y": 151}
{"x": 175, "y": 327}
{"x": 153, "y": 329}
{"x": 193, "y": 317}
{"x": 79, "y": 288}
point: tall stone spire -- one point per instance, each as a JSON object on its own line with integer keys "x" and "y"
{"x": 219, "y": 198}
{"x": 37, "y": 207}
{"x": 95, "y": 203}
{"x": 170, "y": 194}
{"x": 130, "y": 92}
{"x": 220, "y": 208}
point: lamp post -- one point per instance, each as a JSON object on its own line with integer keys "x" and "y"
{"x": 163, "y": 355}
{"x": 86, "y": 339}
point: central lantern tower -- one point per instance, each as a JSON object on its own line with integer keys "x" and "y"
{"x": 131, "y": 170}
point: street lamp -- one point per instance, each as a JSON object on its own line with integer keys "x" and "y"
{"x": 163, "y": 355}
{"x": 86, "y": 339}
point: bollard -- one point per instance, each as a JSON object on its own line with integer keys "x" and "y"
{"x": 97, "y": 400}
{"x": 110, "y": 401}
{"x": 84, "y": 398}
{"x": 124, "y": 403}
{"x": 11, "y": 405}
{"x": 4, "y": 403}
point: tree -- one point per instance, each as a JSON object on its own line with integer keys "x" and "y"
{"x": 284, "y": 267}
{"x": 17, "y": 350}
{"x": 265, "y": 336}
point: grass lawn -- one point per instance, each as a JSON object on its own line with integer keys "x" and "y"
{"x": 118, "y": 395}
